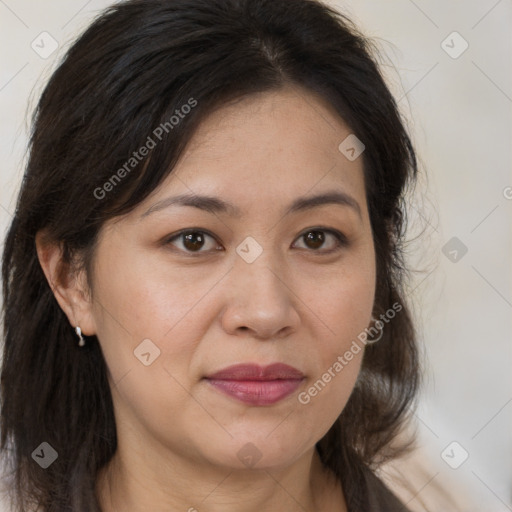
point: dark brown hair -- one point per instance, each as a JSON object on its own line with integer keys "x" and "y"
{"x": 137, "y": 64}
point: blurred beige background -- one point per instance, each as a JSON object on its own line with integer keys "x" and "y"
{"x": 449, "y": 65}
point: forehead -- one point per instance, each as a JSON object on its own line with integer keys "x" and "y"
{"x": 268, "y": 147}
{"x": 291, "y": 120}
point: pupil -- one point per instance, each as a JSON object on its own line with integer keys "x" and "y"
{"x": 316, "y": 238}
{"x": 194, "y": 240}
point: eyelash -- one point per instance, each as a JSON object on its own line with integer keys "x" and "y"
{"x": 341, "y": 240}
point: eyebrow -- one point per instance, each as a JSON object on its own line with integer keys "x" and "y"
{"x": 216, "y": 205}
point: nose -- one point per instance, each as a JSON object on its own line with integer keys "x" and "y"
{"x": 260, "y": 302}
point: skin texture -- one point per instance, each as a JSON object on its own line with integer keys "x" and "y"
{"x": 297, "y": 303}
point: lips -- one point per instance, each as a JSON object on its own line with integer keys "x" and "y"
{"x": 257, "y": 385}
{"x": 254, "y": 372}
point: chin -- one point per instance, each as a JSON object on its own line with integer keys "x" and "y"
{"x": 258, "y": 451}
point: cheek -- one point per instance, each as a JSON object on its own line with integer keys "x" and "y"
{"x": 343, "y": 308}
{"x": 137, "y": 301}
{"x": 157, "y": 312}
{"x": 342, "y": 302}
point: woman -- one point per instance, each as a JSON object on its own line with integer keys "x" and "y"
{"x": 203, "y": 280}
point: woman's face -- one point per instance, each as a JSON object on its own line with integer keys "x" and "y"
{"x": 258, "y": 282}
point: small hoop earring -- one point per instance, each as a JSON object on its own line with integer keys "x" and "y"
{"x": 81, "y": 341}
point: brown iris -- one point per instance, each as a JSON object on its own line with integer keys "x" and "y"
{"x": 315, "y": 239}
{"x": 193, "y": 241}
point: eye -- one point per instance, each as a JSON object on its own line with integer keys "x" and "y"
{"x": 315, "y": 238}
{"x": 192, "y": 240}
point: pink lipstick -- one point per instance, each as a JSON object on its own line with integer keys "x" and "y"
{"x": 257, "y": 385}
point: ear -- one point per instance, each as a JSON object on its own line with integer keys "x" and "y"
{"x": 69, "y": 287}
